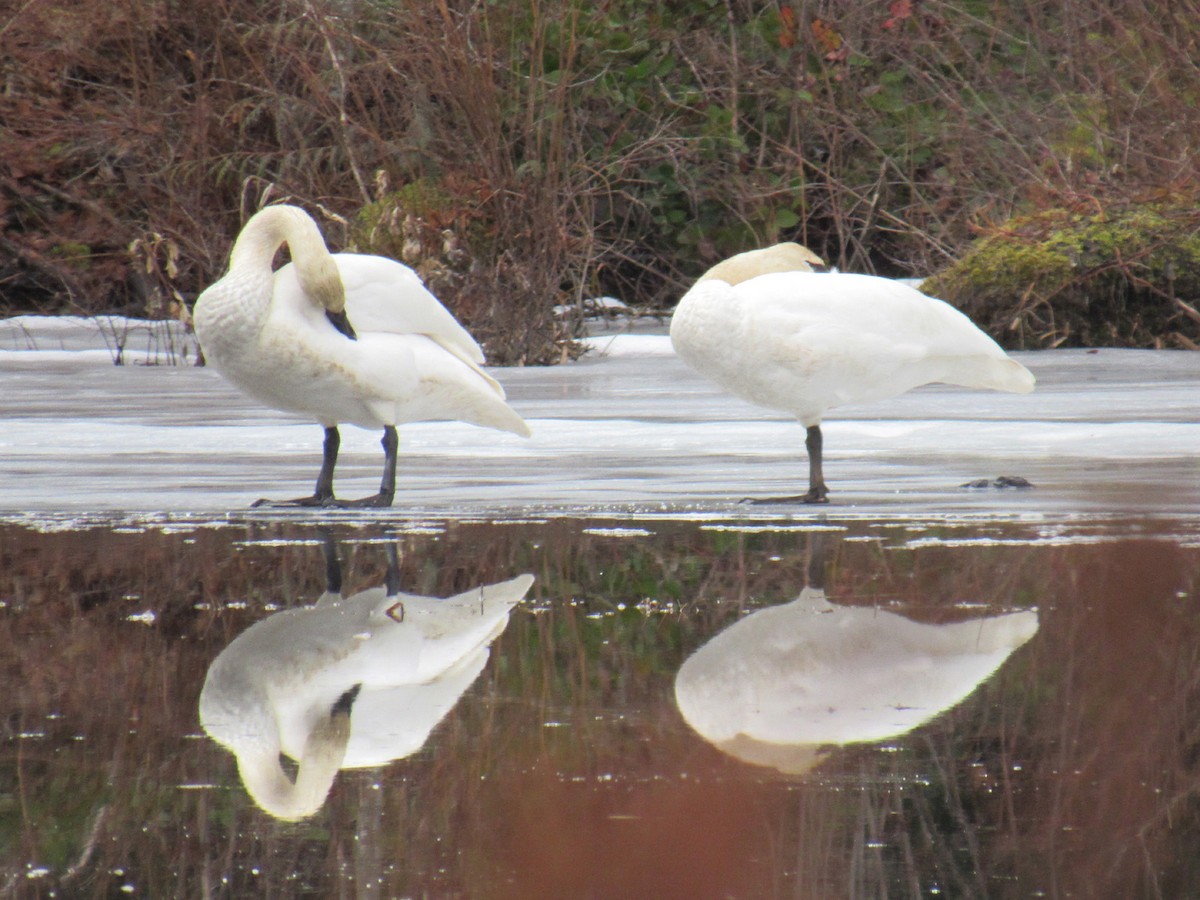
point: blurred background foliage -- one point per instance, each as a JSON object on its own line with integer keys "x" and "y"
{"x": 528, "y": 155}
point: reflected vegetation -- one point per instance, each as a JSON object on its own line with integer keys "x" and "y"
{"x": 564, "y": 768}
{"x": 780, "y": 686}
{"x": 349, "y": 682}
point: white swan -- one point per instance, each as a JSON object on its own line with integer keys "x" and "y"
{"x": 346, "y": 683}
{"x": 343, "y": 338}
{"x": 779, "y": 685}
{"x": 768, "y": 328}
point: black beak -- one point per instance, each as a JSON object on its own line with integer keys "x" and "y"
{"x": 340, "y": 321}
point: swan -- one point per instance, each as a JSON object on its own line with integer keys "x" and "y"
{"x": 341, "y": 338}
{"x": 769, "y": 327}
{"x": 348, "y": 682}
{"x": 784, "y": 682}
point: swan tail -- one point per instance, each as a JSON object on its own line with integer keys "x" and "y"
{"x": 994, "y": 634}
{"x": 507, "y": 419}
{"x": 480, "y": 399}
{"x": 511, "y": 592}
{"x": 491, "y": 411}
{"x": 995, "y": 374}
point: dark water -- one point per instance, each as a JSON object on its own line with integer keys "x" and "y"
{"x": 566, "y": 767}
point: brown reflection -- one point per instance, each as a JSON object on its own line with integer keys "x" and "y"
{"x": 566, "y": 770}
{"x": 349, "y": 682}
{"x": 781, "y": 686}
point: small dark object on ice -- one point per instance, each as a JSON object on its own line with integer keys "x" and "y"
{"x": 1004, "y": 481}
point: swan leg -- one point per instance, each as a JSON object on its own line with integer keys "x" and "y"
{"x": 817, "y": 491}
{"x": 387, "y": 487}
{"x": 391, "y": 580}
{"x": 814, "y": 442}
{"x": 323, "y": 493}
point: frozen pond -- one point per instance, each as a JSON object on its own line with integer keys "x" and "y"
{"x": 918, "y": 690}
{"x": 628, "y": 429}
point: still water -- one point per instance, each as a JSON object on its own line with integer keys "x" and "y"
{"x": 670, "y": 708}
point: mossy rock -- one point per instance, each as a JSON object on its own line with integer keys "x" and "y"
{"x": 1125, "y": 277}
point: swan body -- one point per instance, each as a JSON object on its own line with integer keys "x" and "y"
{"x": 785, "y": 681}
{"x": 804, "y": 342}
{"x": 287, "y": 684}
{"x": 342, "y": 338}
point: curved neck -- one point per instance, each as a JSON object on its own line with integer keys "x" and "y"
{"x": 269, "y": 229}
{"x": 272, "y": 790}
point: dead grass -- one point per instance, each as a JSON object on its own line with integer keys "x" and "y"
{"x": 580, "y": 149}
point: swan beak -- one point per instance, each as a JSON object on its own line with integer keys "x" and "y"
{"x": 341, "y": 322}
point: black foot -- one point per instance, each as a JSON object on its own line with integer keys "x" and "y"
{"x": 810, "y": 497}
{"x": 375, "y": 501}
{"x": 1004, "y": 481}
{"x": 298, "y": 501}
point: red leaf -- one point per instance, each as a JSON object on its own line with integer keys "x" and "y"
{"x": 900, "y": 10}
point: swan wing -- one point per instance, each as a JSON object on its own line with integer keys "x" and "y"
{"x": 383, "y": 295}
{"x": 867, "y": 338}
{"x": 869, "y": 306}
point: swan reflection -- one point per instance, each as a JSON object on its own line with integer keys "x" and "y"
{"x": 780, "y": 686}
{"x": 348, "y": 682}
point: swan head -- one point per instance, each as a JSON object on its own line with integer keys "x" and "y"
{"x": 785, "y": 257}
{"x": 323, "y": 283}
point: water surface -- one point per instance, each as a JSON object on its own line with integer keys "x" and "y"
{"x": 566, "y": 766}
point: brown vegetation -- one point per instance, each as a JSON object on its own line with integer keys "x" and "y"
{"x": 532, "y": 154}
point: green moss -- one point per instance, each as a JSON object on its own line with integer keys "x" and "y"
{"x": 1112, "y": 277}
{"x": 76, "y": 255}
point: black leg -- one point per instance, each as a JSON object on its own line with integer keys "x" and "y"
{"x": 333, "y": 564}
{"x": 813, "y": 443}
{"x": 324, "y": 490}
{"x": 391, "y": 581}
{"x": 323, "y": 493}
{"x": 817, "y": 492}
{"x": 391, "y": 447}
{"x": 387, "y": 487}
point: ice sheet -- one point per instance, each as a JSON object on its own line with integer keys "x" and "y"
{"x": 626, "y": 428}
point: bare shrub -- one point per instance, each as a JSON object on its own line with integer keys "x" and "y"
{"x": 575, "y": 148}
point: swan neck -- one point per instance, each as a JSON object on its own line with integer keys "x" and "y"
{"x": 269, "y": 785}
{"x": 316, "y": 269}
{"x": 271, "y": 228}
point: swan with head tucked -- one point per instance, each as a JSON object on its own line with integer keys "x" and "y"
{"x": 782, "y": 684}
{"x": 348, "y": 682}
{"x": 342, "y": 338}
{"x": 769, "y": 327}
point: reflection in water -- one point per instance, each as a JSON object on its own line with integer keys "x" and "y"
{"x": 346, "y": 683}
{"x": 780, "y": 686}
{"x": 566, "y": 771}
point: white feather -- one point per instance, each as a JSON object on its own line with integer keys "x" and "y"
{"x": 268, "y": 334}
{"x": 271, "y": 690}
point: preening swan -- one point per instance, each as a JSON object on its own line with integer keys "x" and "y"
{"x": 765, "y": 326}
{"x": 345, "y": 683}
{"x": 342, "y": 338}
